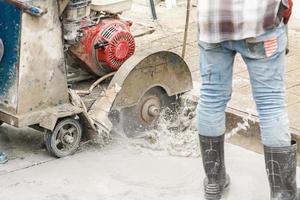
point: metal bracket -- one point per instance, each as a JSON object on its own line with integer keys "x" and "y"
{"x": 62, "y": 6}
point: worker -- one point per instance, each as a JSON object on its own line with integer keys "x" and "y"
{"x": 3, "y": 158}
{"x": 256, "y": 30}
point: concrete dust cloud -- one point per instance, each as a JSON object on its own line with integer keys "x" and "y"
{"x": 176, "y": 132}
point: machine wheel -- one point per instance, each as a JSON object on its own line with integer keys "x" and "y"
{"x": 65, "y": 138}
{"x": 144, "y": 116}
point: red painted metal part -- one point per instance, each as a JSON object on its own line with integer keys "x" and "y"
{"x": 115, "y": 44}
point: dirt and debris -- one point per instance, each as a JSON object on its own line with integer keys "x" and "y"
{"x": 176, "y": 132}
{"x": 120, "y": 171}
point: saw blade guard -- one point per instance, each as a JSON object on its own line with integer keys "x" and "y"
{"x": 147, "y": 70}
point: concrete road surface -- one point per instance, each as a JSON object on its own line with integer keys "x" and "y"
{"x": 121, "y": 171}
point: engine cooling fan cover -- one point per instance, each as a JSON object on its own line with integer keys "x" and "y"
{"x": 119, "y": 45}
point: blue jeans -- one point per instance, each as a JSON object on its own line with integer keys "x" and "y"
{"x": 267, "y": 80}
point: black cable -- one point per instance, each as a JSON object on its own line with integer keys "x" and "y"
{"x": 153, "y": 10}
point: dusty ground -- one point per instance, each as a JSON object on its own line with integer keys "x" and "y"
{"x": 124, "y": 170}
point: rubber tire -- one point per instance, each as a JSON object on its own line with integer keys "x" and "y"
{"x": 50, "y": 135}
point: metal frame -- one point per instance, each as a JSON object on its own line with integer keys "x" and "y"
{"x": 37, "y": 92}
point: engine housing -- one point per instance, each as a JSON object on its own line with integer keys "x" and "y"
{"x": 104, "y": 47}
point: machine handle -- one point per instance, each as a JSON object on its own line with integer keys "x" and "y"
{"x": 100, "y": 45}
{"x": 28, "y": 8}
{"x": 1, "y": 49}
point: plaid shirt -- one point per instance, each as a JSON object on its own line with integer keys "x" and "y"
{"x": 221, "y": 20}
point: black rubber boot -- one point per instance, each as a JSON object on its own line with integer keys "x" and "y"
{"x": 212, "y": 149}
{"x": 281, "y": 165}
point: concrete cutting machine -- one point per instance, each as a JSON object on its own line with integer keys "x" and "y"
{"x": 71, "y": 65}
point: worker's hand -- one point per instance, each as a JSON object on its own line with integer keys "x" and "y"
{"x": 287, "y": 12}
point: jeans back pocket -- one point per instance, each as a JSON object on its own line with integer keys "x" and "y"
{"x": 266, "y": 45}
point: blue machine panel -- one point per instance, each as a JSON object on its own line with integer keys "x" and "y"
{"x": 10, "y": 23}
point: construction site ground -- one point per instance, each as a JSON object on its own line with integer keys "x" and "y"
{"x": 123, "y": 171}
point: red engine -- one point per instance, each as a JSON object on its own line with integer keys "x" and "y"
{"x": 104, "y": 47}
